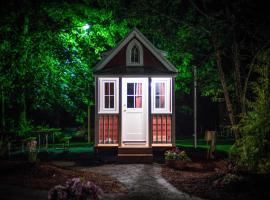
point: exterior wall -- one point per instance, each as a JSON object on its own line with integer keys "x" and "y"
{"x": 108, "y": 126}
{"x": 162, "y": 128}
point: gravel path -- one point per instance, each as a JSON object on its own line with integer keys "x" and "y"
{"x": 143, "y": 182}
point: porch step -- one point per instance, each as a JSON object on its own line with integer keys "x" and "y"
{"x": 135, "y": 154}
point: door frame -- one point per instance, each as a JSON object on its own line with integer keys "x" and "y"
{"x": 145, "y": 101}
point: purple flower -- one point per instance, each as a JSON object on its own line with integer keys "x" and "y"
{"x": 75, "y": 189}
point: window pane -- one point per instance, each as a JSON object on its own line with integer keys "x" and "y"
{"x": 111, "y": 101}
{"x": 160, "y": 88}
{"x": 157, "y": 89}
{"x": 130, "y": 88}
{"x": 107, "y": 99}
{"x": 107, "y": 88}
{"x": 111, "y": 88}
{"x": 157, "y": 102}
{"x": 138, "y": 88}
{"x": 135, "y": 54}
{"x": 130, "y": 102}
{"x": 160, "y": 102}
{"x": 138, "y": 103}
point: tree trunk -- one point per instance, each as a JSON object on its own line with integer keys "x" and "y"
{"x": 89, "y": 124}
{"x": 23, "y": 75}
{"x": 225, "y": 90}
{"x": 239, "y": 88}
{"x": 3, "y": 109}
{"x": 58, "y": 118}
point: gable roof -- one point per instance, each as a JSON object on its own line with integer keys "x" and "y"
{"x": 135, "y": 33}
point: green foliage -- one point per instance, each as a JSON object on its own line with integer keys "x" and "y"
{"x": 25, "y": 127}
{"x": 186, "y": 110}
{"x": 209, "y": 82}
{"x": 253, "y": 150}
{"x": 47, "y": 63}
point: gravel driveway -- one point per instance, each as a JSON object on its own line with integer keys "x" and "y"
{"x": 144, "y": 181}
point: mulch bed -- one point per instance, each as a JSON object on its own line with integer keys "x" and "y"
{"x": 203, "y": 179}
{"x": 45, "y": 176}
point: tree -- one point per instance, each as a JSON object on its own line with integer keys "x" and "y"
{"x": 252, "y": 150}
{"x": 49, "y": 61}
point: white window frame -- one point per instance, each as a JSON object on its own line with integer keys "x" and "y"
{"x": 101, "y": 100}
{"x": 168, "y": 93}
{"x": 128, "y": 53}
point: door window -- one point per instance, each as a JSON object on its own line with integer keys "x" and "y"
{"x": 134, "y": 95}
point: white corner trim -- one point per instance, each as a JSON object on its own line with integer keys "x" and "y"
{"x": 134, "y": 42}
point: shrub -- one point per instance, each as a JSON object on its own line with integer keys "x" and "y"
{"x": 75, "y": 189}
{"x": 176, "y": 154}
{"x": 252, "y": 151}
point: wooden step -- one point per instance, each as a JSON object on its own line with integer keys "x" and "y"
{"x": 135, "y": 150}
{"x": 135, "y": 158}
{"x": 135, "y": 154}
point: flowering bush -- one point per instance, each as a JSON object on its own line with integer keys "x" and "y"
{"x": 75, "y": 189}
{"x": 176, "y": 154}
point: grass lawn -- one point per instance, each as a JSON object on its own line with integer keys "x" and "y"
{"x": 71, "y": 149}
{"x": 74, "y": 147}
{"x": 84, "y": 147}
{"x": 221, "y": 144}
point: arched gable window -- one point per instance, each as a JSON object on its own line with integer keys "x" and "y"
{"x": 134, "y": 54}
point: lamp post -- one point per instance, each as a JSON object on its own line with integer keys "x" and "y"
{"x": 195, "y": 104}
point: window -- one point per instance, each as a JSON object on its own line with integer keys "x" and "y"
{"x": 134, "y": 54}
{"x": 134, "y": 95}
{"x": 161, "y": 95}
{"x": 108, "y": 95}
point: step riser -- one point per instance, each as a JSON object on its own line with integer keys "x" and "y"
{"x": 135, "y": 151}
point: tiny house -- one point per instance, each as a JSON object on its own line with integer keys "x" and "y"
{"x": 134, "y": 91}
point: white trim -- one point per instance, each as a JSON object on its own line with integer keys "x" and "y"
{"x": 133, "y": 43}
{"x": 136, "y": 33}
{"x": 101, "y": 95}
{"x": 168, "y": 95}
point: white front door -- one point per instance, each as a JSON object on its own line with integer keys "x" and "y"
{"x": 135, "y": 110}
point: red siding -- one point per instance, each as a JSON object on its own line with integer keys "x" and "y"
{"x": 119, "y": 59}
{"x": 108, "y": 129}
{"x": 161, "y": 128}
